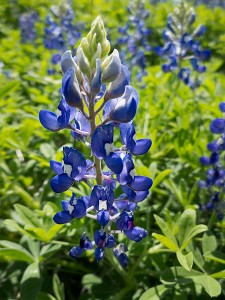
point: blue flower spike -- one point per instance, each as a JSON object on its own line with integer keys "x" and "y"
{"x": 181, "y": 45}
{"x": 215, "y": 174}
{"x": 98, "y": 99}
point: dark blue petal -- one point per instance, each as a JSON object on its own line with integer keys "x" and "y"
{"x": 62, "y": 217}
{"x": 142, "y": 146}
{"x": 71, "y": 90}
{"x": 102, "y": 139}
{"x": 126, "y": 106}
{"x": 79, "y": 209}
{"x": 205, "y": 160}
{"x": 126, "y": 175}
{"x": 127, "y": 133}
{"x": 56, "y": 167}
{"x": 103, "y": 217}
{"x": 141, "y": 183}
{"x": 99, "y": 253}
{"x": 136, "y": 233}
{"x": 99, "y": 238}
{"x": 114, "y": 163}
{"x": 61, "y": 183}
{"x": 125, "y": 221}
{"x": 217, "y": 126}
{"x": 213, "y": 147}
{"x": 222, "y": 106}
{"x": 77, "y": 161}
{"x": 85, "y": 242}
{"x": 110, "y": 241}
{"x": 49, "y": 120}
{"x": 76, "y": 252}
{"x": 123, "y": 259}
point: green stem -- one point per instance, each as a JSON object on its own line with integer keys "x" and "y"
{"x": 97, "y": 161}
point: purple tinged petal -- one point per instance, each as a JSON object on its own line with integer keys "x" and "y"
{"x": 142, "y": 146}
{"x": 125, "y": 221}
{"x": 141, "y": 183}
{"x": 114, "y": 163}
{"x": 136, "y": 233}
{"x": 61, "y": 183}
{"x": 96, "y": 81}
{"x": 85, "y": 242}
{"x": 99, "y": 238}
{"x": 56, "y": 167}
{"x": 49, "y": 120}
{"x": 103, "y": 217}
{"x": 62, "y": 217}
{"x": 126, "y": 176}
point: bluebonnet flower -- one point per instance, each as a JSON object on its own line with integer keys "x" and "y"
{"x": 181, "y": 46}
{"x": 215, "y": 175}
{"x": 61, "y": 33}
{"x": 210, "y": 3}
{"x": 27, "y": 23}
{"x": 134, "y": 37}
{"x": 94, "y": 77}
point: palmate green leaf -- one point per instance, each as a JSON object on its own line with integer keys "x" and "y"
{"x": 165, "y": 241}
{"x": 216, "y": 256}
{"x": 28, "y": 200}
{"x": 31, "y": 282}
{"x": 209, "y": 243}
{"x": 154, "y": 293}
{"x": 178, "y": 275}
{"x": 186, "y": 261}
{"x": 165, "y": 229}
{"x": 90, "y": 279}
{"x": 27, "y": 215}
{"x": 15, "y": 254}
{"x": 219, "y": 275}
{"x": 160, "y": 177}
{"x": 196, "y": 230}
{"x": 41, "y": 234}
{"x": 186, "y": 223}
{"x": 58, "y": 288}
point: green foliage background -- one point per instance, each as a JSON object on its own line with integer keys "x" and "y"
{"x": 34, "y": 261}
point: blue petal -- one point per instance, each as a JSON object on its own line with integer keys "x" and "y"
{"x": 114, "y": 163}
{"x": 142, "y": 146}
{"x": 126, "y": 106}
{"x": 76, "y": 160}
{"x": 67, "y": 113}
{"x": 222, "y": 106}
{"x": 102, "y": 136}
{"x": 122, "y": 259}
{"x": 99, "y": 238}
{"x": 49, "y": 120}
{"x": 62, "y": 217}
{"x": 85, "y": 242}
{"x": 96, "y": 81}
{"x": 110, "y": 241}
{"x": 103, "y": 217}
{"x": 76, "y": 252}
{"x": 141, "y": 183}
{"x": 127, "y": 133}
{"x": 125, "y": 221}
{"x": 71, "y": 90}
{"x": 79, "y": 209}
{"x": 217, "y": 126}
{"x": 99, "y": 253}
{"x": 61, "y": 183}
{"x": 56, "y": 167}
{"x": 124, "y": 177}
{"x": 136, "y": 233}
{"x": 65, "y": 205}
{"x": 117, "y": 87}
